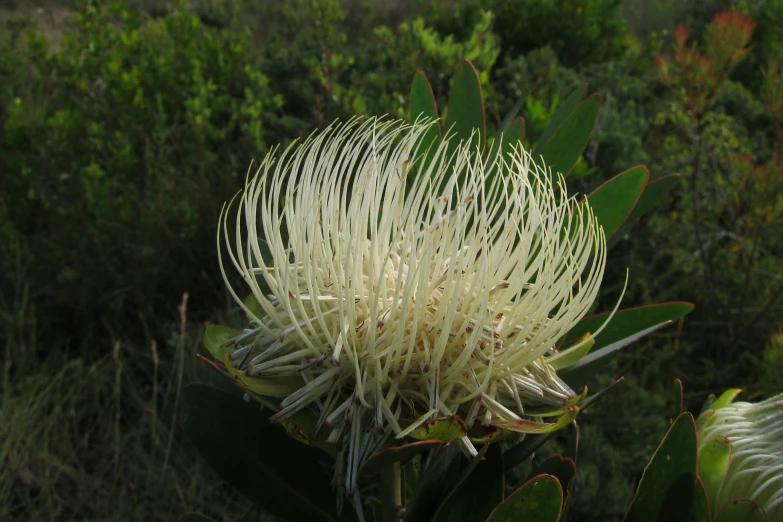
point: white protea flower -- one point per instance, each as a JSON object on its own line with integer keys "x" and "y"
{"x": 755, "y": 467}
{"x": 394, "y": 302}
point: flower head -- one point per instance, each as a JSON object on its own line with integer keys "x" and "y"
{"x": 754, "y": 470}
{"x": 389, "y": 302}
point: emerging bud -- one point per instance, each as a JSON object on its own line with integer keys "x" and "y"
{"x": 741, "y": 455}
{"x": 394, "y": 302}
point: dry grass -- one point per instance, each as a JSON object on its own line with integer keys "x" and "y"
{"x": 102, "y": 440}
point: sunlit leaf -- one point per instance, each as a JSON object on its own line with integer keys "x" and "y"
{"x": 714, "y": 460}
{"x": 615, "y": 199}
{"x": 443, "y": 429}
{"x": 569, "y": 140}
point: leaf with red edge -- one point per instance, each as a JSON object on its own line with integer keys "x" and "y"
{"x": 700, "y": 512}
{"x": 667, "y": 486}
{"x": 569, "y": 140}
{"x": 466, "y": 108}
{"x": 562, "y": 468}
{"x": 540, "y": 499}
{"x": 616, "y": 198}
{"x": 741, "y": 511}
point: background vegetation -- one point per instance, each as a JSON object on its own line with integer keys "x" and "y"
{"x": 124, "y": 127}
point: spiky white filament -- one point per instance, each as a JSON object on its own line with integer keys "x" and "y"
{"x": 756, "y": 470}
{"x": 394, "y": 300}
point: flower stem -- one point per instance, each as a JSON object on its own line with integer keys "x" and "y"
{"x": 391, "y": 492}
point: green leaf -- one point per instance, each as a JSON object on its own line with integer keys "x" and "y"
{"x": 667, "y": 486}
{"x": 194, "y": 517}
{"x": 560, "y": 467}
{"x": 573, "y": 355}
{"x": 265, "y": 386}
{"x": 608, "y": 350}
{"x": 251, "y": 303}
{"x": 219, "y": 340}
{"x": 626, "y": 322}
{"x": 512, "y": 137}
{"x": 726, "y": 398}
{"x": 393, "y": 454}
{"x": 701, "y": 507}
{"x": 479, "y": 492}
{"x": 563, "y": 110}
{"x": 435, "y": 484}
{"x": 423, "y": 105}
{"x": 653, "y": 193}
{"x": 708, "y": 402}
{"x": 466, "y": 107}
{"x": 614, "y": 200}
{"x": 533, "y": 427}
{"x": 539, "y": 499}
{"x": 741, "y": 511}
{"x": 443, "y": 429}
{"x": 714, "y": 460}
{"x": 257, "y": 458}
{"x": 569, "y": 140}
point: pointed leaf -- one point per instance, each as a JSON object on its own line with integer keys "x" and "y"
{"x": 726, "y": 398}
{"x": 653, "y": 193}
{"x": 466, "y": 107}
{"x": 708, "y": 402}
{"x": 569, "y": 140}
{"x": 573, "y": 355}
{"x": 741, "y": 511}
{"x": 701, "y": 508}
{"x": 423, "y": 105}
{"x": 627, "y": 322}
{"x": 479, "y": 492}
{"x": 667, "y": 487}
{"x": 608, "y": 350}
{"x": 614, "y": 201}
{"x": 539, "y": 499}
{"x": 403, "y": 453}
{"x": 258, "y": 459}
{"x": 219, "y": 340}
{"x": 533, "y": 427}
{"x": 443, "y": 429}
{"x": 713, "y": 463}
{"x": 563, "y": 110}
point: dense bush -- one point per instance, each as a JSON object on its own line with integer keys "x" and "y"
{"x": 117, "y": 147}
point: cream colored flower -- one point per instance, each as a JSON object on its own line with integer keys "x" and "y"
{"x": 755, "y": 471}
{"x": 393, "y": 303}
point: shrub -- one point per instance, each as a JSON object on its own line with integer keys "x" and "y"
{"x": 118, "y": 146}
